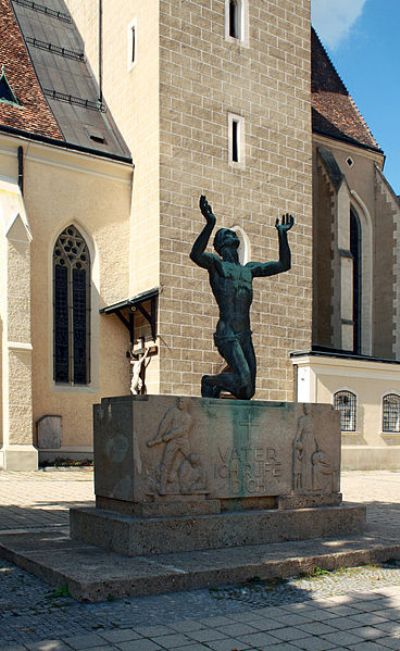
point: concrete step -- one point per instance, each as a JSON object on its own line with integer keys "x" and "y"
{"x": 92, "y": 574}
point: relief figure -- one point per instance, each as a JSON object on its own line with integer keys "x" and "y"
{"x": 180, "y": 470}
{"x": 305, "y": 445}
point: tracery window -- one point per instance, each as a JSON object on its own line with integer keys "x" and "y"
{"x": 71, "y": 308}
{"x": 391, "y": 413}
{"x": 346, "y": 404}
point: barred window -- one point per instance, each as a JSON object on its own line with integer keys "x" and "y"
{"x": 346, "y": 404}
{"x": 71, "y": 308}
{"x": 391, "y": 413}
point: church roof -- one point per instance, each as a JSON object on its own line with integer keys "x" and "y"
{"x": 46, "y": 70}
{"x": 334, "y": 112}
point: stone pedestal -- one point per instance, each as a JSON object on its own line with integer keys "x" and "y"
{"x": 178, "y": 474}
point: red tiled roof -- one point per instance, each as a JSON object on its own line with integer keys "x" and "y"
{"x": 334, "y": 112}
{"x": 34, "y": 115}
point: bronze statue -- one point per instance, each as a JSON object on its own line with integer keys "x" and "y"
{"x": 231, "y": 284}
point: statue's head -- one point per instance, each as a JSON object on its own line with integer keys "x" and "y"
{"x": 182, "y": 403}
{"x": 307, "y": 408}
{"x": 225, "y": 237}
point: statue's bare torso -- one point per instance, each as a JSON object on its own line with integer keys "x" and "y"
{"x": 232, "y": 286}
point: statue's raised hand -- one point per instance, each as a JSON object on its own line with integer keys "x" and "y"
{"x": 286, "y": 224}
{"x": 206, "y": 210}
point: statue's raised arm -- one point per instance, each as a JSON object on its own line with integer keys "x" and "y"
{"x": 197, "y": 253}
{"x": 284, "y": 262}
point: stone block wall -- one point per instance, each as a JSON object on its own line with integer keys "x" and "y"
{"x": 203, "y": 78}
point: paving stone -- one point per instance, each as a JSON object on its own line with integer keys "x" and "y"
{"x": 368, "y": 632}
{"x": 340, "y": 611}
{"x": 293, "y": 619}
{"x": 282, "y": 646}
{"x": 369, "y": 618}
{"x": 389, "y": 643}
{"x": 227, "y": 644}
{"x": 194, "y": 647}
{"x": 119, "y": 635}
{"x": 138, "y": 645}
{"x": 257, "y": 639}
{"x": 48, "y": 645}
{"x": 370, "y": 605}
{"x": 313, "y": 644}
{"x": 388, "y": 613}
{"x": 366, "y": 646}
{"x": 342, "y": 637}
{"x": 206, "y": 634}
{"x": 316, "y": 628}
{"x": 290, "y": 633}
{"x": 318, "y": 615}
{"x": 343, "y": 623}
{"x": 390, "y": 628}
{"x": 153, "y": 631}
{"x": 218, "y": 621}
{"x": 187, "y": 625}
{"x": 171, "y": 641}
{"x": 266, "y": 624}
{"x": 236, "y": 630}
{"x": 84, "y": 641}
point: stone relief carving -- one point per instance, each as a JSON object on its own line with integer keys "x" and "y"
{"x": 304, "y": 447}
{"x": 180, "y": 470}
{"x": 312, "y": 469}
{"x": 323, "y": 472}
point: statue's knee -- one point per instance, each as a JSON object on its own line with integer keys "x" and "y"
{"x": 247, "y": 393}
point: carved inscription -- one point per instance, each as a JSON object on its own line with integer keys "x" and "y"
{"x": 248, "y": 470}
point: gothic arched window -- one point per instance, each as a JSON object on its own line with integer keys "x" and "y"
{"x": 71, "y": 308}
{"x": 391, "y": 413}
{"x": 346, "y": 404}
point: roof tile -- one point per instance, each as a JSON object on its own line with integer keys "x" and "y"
{"x": 34, "y": 115}
{"x": 334, "y": 111}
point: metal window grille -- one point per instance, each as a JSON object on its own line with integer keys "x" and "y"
{"x": 346, "y": 404}
{"x": 391, "y": 413}
{"x": 71, "y": 308}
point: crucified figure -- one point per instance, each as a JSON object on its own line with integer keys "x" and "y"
{"x": 232, "y": 286}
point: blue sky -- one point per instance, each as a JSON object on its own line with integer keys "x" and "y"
{"x": 362, "y": 38}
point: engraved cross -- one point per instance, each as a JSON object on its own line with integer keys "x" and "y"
{"x": 247, "y": 422}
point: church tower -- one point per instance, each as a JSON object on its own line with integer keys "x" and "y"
{"x": 212, "y": 97}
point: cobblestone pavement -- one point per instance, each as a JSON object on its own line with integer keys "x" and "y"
{"x": 358, "y": 608}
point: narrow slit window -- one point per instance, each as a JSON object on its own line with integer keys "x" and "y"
{"x": 235, "y": 141}
{"x": 133, "y": 43}
{"x": 234, "y": 19}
